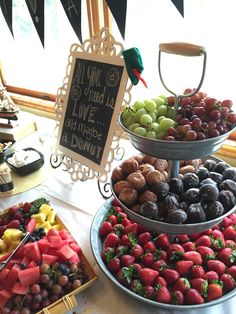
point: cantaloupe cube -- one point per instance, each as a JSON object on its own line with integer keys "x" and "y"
{"x": 12, "y": 234}
{"x": 46, "y": 209}
{"x": 40, "y": 217}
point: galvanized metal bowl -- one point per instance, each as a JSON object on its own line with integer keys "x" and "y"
{"x": 171, "y": 228}
{"x": 175, "y": 150}
{"x": 97, "y": 246}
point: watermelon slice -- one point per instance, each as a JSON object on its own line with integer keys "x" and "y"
{"x": 32, "y": 251}
{"x": 63, "y": 234}
{"x": 75, "y": 258}
{"x": 66, "y": 252}
{"x": 44, "y": 245}
{"x": 74, "y": 246}
{"x": 53, "y": 232}
{"x": 18, "y": 288}
{"x": 4, "y": 297}
{"x": 3, "y": 274}
{"x": 31, "y": 225}
{"x": 55, "y": 241}
{"x": 32, "y": 264}
{"x": 12, "y": 276}
{"x": 29, "y": 276}
{"x": 49, "y": 259}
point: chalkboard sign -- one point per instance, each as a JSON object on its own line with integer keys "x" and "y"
{"x": 93, "y": 100}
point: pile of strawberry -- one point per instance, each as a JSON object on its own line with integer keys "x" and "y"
{"x": 181, "y": 270}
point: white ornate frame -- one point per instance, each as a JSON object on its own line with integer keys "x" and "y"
{"x": 102, "y": 44}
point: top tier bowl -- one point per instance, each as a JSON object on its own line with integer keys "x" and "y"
{"x": 175, "y": 150}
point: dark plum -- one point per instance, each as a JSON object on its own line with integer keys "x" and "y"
{"x": 149, "y": 210}
{"x": 208, "y": 181}
{"x": 192, "y": 195}
{"x": 170, "y": 202}
{"x": 215, "y": 176}
{"x": 177, "y": 216}
{"x": 228, "y": 185}
{"x": 229, "y": 173}
{"x": 190, "y": 180}
{"x": 176, "y": 185}
{"x": 208, "y": 193}
{"x": 213, "y": 210}
{"x": 202, "y": 173}
{"x": 227, "y": 199}
{"x": 221, "y": 167}
{"x": 161, "y": 189}
{"x": 196, "y": 213}
{"x": 210, "y": 164}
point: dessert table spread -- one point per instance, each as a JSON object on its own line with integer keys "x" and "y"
{"x": 76, "y": 203}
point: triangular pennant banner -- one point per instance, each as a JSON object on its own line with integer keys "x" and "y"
{"x": 179, "y": 4}
{"x": 72, "y": 9}
{"x": 118, "y": 10}
{"x": 36, "y": 10}
{"x": 6, "y": 6}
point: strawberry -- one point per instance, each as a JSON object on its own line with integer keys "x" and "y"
{"x": 137, "y": 251}
{"x": 225, "y": 223}
{"x": 204, "y": 240}
{"x": 216, "y": 266}
{"x": 115, "y": 203}
{"x": 182, "y": 238}
{"x": 230, "y": 243}
{"x": 112, "y": 219}
{"x": 160, "y": 281}
{"x": 108, "y": 254}
{"x": 111, "y": 240}
{"x": 131, "y": 228}
{"x": 162, "y": 241}
{"x": 118, "y": 229}
{"x": 144, "y": 237}
{"x": 127, "y": 260}
{"x": 183, "y": 267}
{"x": 175, "y": 252}
{"x": 200, "y": 284}
{"x": 182, "y": 284}
{"x": 227, "y": 256}
{"x": 120, "y": 217}
{"x": 147, "y": 275}
{"x": 193, "y": 256}
{"x": 230, "y": 233}
{"x": 189, "y": 246}
{"x": 206, "y": 252}
{"x": 218, "y": 244}
{"x": 137, "y": 287}
{"x": 177, "y": 298}
{"x": 126, "y": 222}
{"x": 149, "y": 292}
{"x": 232, "y": 271}
{"x": 121, "y": 250}
{"x": 149, "y": 247}
{"x": 128, "y": 239}
{"x": 163, "y": 295}
{"x": 106, "y": 227}
{"x": 233, "y": 218}
{"x": 228, "y": 282}
{"x": 215, "y": 291}
{"x": 114, "y": 265}
{"x": 147, "y": 259}
{"x": 211, "y": 275}
{"x": 13, "y": 224}
{"x": 159, "y": 265}
{"x": 160, "y": 254}
{"x": 195, "y": 236}
{"x": 217, "y": 234}
{"x": 170, "y": 275}
{"x": 125, "y": 275}
{"x": 26, "y": 207}
{"x": 197, "y": 271}
{"x": 192, "y": 296}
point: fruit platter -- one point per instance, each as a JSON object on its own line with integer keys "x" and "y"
{"x": 42, "y": 267}
{"x": 181, "y": 272}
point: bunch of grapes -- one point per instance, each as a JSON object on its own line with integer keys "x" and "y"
{"x": 55, "y": 281}
{"x": 198, "y": 117}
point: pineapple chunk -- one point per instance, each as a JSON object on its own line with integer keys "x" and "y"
{"x": 12, "y": 234}
{"x": 51, "y": 217}
{"x": 57, "y": 227}
{"x": 45, "y": 208}
{"x": 47, "y": 225}
{"x": 13, "y": 245}
{"x": 3, "y": 246}
{"x": 40, "y": 217}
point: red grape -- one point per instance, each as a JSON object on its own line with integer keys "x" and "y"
{"x": 214, "y": 133}
{"x": 231, "y": 117}
{"x": 227, "y": 103}
{"x": 201, "y": 136}
{"x": 214, "y": 115}
{"x": 191, "y": 135}
{"x": 211, "y": 104}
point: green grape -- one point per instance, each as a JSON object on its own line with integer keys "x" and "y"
{"x": 154, "y": 127}
{"x": 140, "y": 131}
{"x": 133, "y": 126}
{"x": 146, "y": 119}
{"x": 138, "y": 105}
{"x": 129, "y": 121}
{"x": 126, "y": 113}
{"x": 153, "y": 115}
{"x": 164, "y": 97}
{"x": 150, "y": 105}
{"x": 171, "y": 113}
{"x": 160, "y": 118}
{"x": 151, "y": 134}
{"x": 161, "y": 110}
{"x": 138, "y": 114}
{"x": 166, "y": 123}
{"x": 160, "y": 135}
{"x": 159, "y": 101}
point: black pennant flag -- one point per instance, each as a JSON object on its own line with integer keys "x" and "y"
{"x": 72, "y": 9}
{"x": 118, "y": 10}
{"x": 6, "y": 6}
{"x": 36, "y": 10}
{"x": 179, "y": 4}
